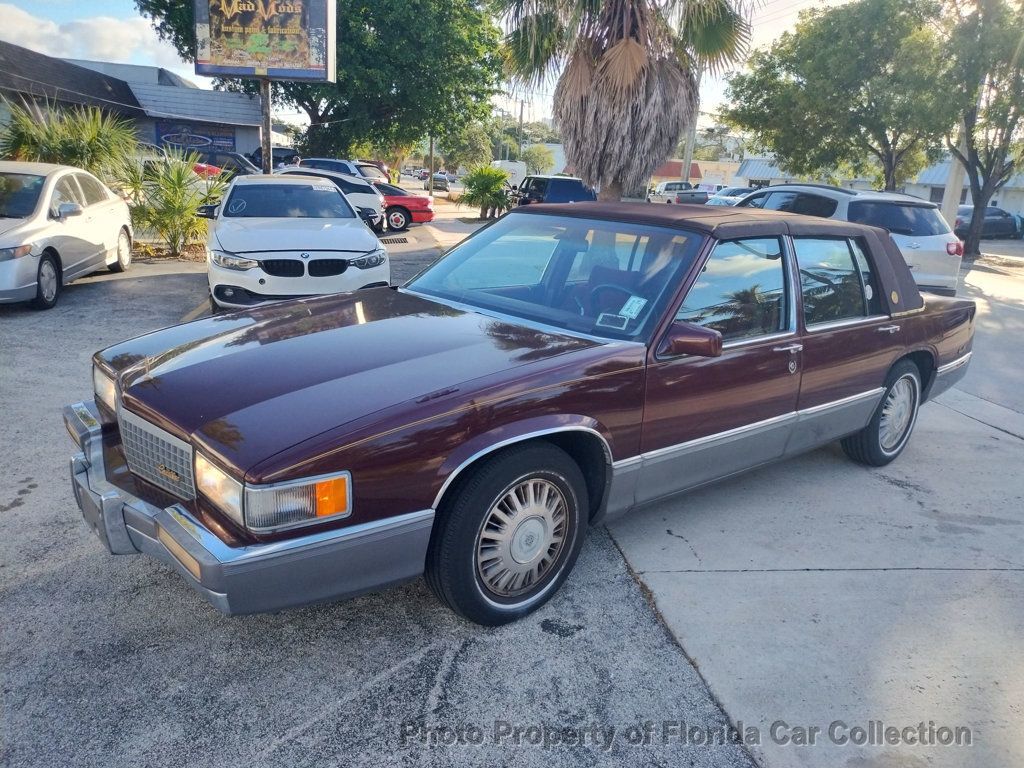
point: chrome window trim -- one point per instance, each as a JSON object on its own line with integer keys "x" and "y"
{"x": 849, "y": 322}
{"x": 519, "y": 439}
{"x": 700, "y": 442}
{"x": 952, "y": 366}
{"x": 757, "y": 339}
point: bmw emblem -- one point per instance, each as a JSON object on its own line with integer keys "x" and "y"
{"x": 303, "y": 255}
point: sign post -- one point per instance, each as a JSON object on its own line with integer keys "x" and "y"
{"x": 268, "y": 40}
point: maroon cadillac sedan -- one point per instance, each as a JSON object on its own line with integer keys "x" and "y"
{"x": 566, "y": 363}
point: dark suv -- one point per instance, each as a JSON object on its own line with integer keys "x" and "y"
{"x": 554, "y": 189}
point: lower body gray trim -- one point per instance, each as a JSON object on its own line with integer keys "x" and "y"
{"x": 948, "y": 375}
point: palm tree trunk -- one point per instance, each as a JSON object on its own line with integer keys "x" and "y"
{"x": 611, "y": 192}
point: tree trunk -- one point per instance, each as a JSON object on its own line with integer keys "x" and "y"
{"x": 610, "y": 192}
{"x": 889, "y": 169}
{"x": 972, "y": 243}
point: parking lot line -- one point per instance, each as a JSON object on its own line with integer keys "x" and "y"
{"x": 197, "y": 312}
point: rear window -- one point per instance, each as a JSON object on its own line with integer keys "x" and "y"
{"x": 899, "y": 218}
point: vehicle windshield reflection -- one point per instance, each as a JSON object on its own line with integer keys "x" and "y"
{"x": 605, "y": 278}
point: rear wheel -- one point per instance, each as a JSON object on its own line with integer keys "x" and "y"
{"x": 124, "y": 253}
{"x": 888, "y": 432}
{"x": 47, "y": 282}
{"x": 398, "y": 218}
{"x": 510, "y": 535}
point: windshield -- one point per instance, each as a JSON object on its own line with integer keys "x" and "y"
{"x": 287, "y": 201}
{"x": 19, "y": 194}
{"x": 911, "y": 219}
{"x": 604, "y": 278}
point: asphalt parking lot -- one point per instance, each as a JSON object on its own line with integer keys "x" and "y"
{"x": 806, "y": 592}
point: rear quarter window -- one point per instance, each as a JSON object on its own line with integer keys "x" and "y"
{"x": 899, "y": 218}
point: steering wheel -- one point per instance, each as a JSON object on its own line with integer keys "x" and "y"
{"x": 592, "y": 299}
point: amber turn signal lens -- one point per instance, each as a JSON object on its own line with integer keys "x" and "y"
{"x": 332, "y": 497}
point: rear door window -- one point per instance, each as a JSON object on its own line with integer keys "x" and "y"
{"x": 831, "y": 282}
{"x": 899, "y": 218}
{"x": 92, "y": 190}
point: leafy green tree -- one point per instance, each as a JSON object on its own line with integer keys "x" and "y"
{"x": 83, "y": 137}
{"x": 864, "y": 84}
{"x": 538, "y": 159}
{"x": 469, "y": 146}
{"x": 627, "y": 82}
{"x": 406, "y": 68}
{"x": 986, "y": 47}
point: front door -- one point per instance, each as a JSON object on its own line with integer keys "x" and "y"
{"x": 705, "y": 418}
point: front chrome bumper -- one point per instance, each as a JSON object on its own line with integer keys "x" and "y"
{"x": 320, "y": 566}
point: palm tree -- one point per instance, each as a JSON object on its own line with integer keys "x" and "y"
{"x": 628, "y": 74}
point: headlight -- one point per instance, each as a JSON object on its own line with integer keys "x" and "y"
{"x": 287, "y": 505}
{"x": 220, "y": 488}
{"x": 370, "y": 260}
{"x": 105, "y": 388}
{"x": 230, "y": 261}
{"x": 6, "y": 254}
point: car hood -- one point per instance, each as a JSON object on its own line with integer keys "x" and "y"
{"x": 9, "y": 225}
{"x": 246, "y": 386}
{"x": 255, "y": 235}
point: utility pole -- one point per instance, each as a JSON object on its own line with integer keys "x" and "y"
{"x": 430, "y": 179}
{"x": 521, "y": 103}
{"x": 265, "y": 142}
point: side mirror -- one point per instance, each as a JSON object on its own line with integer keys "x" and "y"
{"x": 207, "y": 212}
{"x": 67, "y": 210}
{"x": 689, "y": 339}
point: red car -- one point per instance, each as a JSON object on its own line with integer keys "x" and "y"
{"x": 402, "y": 207}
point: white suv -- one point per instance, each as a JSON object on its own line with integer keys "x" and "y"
{"x": 925, "y": 239}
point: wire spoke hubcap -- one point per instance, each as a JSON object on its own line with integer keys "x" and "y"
{"x": 521, "y": 537}
{"x": 897, "y": 413}
{"x": 48, "y": 281}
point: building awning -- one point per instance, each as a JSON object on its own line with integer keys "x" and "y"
{"x": 936, "y": 176}
{"x": 760, "y": 168}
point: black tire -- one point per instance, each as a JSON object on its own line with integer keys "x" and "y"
{"x": 124, "y": 257}
{"x": 398, "y": 218}
{"x": 457, "y": 544}
{"x": 48, "y": 282}
{"x": 869, "y": 446}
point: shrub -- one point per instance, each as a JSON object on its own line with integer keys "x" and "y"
{"x": 486, "y": 188}
{"x": 85, "y": 138}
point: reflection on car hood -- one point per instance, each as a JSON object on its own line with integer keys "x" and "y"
{"x": 6, "y": 225}
{"x": 246, "y": 386}
{"x": 253, "y": 235}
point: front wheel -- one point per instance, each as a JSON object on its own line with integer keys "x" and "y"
{"x": 886, "y": 435}
{"x": 47, "y": 283}
{"x": 510, "y": 535}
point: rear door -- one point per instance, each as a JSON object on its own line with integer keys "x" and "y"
{"x": 708, "y": 417}
{"x": 101, "y": 225}
{"x": 849, "y": 340}
{"x": 998, "y": 223}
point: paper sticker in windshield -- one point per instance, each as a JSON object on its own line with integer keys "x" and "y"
{"x": 608, "y": 320}
{"x": 633, "y": 306}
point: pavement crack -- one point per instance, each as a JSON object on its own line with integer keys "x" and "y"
{"x": 670, "y": 532}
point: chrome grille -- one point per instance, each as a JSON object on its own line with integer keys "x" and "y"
{"x": 156, "y": 456}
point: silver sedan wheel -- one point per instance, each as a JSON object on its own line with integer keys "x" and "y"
{"x": 522, "y": 537}
{"x": 897, "y": 413}
{"x": 124, "y": 250}
{"x": 47, "y": 281}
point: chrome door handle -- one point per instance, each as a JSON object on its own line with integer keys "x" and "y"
{"x": 791, "y": 348}
{"x": 889, "y": 329}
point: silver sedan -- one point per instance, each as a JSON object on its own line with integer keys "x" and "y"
{"x": 57, "y": 223}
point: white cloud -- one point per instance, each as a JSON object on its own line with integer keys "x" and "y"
{"x": 100, "y": 38}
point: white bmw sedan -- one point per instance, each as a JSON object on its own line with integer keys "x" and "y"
{"x": 56, "y": 223}
{"x": 283, "y": 237}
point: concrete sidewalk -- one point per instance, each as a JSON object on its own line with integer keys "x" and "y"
{"x": 816, "y": 591}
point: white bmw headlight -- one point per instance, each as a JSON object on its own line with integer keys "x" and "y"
{"x": 105, "y": 388}
{"x": 220, "y": 488}
{"x": 372, "y": 259}
{"x": 230, "y": 261}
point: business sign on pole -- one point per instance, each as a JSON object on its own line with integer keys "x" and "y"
{"x": 285, "y": 39}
